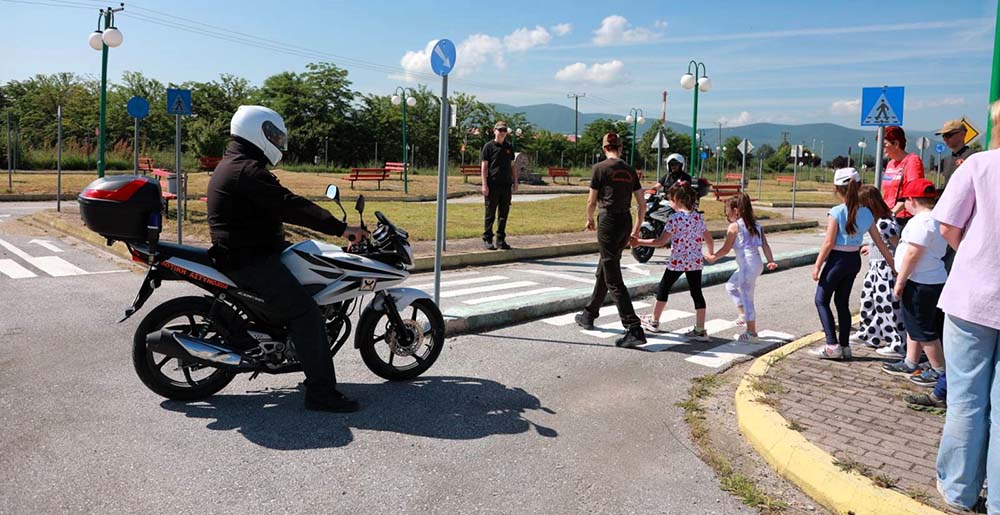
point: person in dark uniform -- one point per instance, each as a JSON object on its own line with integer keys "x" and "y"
{"x": 675, "y": 173}
{"x": 246, "y": 208}
{"x": 953, "y": 133}
{"x": 612, "y": 187}
{"x": 499, "y": 184}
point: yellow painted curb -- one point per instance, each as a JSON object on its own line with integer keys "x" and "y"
{"x": 806, "y": 465}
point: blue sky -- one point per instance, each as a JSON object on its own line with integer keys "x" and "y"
{"x": 769, "y": 61}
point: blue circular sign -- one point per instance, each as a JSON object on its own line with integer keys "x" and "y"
{"x": 443, "y": 57}
{"x": 704, "y": 155}
{"x": 137, "y": 107}
{"x": 939, "y": 148}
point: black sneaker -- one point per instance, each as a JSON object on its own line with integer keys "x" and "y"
{"x": 927, "y": 400}
{"x": 633, "y": 337}
{"x": 488, "y": 245}
{"x": 334, "y": 402}
{"x": 502, "y": 245}
{"x": 584, "y": 320}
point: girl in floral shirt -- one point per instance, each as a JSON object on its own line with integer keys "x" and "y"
{"x": 686, "y": 231}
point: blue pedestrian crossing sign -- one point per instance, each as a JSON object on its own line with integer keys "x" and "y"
{"x": 179, "y": 101}
{"x": 443, "y": 57}
{"x": 882, "y": 106}
{"x": 939, "y": 148}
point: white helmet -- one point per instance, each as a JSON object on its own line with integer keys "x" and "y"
{"x": 264, "y": 128}
{"x": 675, "y": 157}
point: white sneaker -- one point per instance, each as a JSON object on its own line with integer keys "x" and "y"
{"x": 888, "y": 352}
{"x": 856, "y": 338}
{"x": 649, "y": 324}
{"x": 822, "y": 353}
{"x": 740, "y": 321}
{"x": 746, "y": 337}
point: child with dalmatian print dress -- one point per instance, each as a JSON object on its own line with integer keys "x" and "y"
{"x": 881, "y": 323}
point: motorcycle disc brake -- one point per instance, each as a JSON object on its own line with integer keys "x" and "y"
{"x": 396, "y": 344}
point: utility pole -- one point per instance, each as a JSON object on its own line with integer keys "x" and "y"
{"x": 784, "y": 136}
{"x": 576, "y": 110}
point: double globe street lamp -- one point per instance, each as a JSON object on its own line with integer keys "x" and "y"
{"x": 102, "y": 40}
{"x": 688, "y": 81}
{"x": 404, "y": 96}
{"x": 635, "y": 118}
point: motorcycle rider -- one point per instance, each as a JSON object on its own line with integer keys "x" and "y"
{"x": 675, "y": 172}
{"x": 246, "y": 208}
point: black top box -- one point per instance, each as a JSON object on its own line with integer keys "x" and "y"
{"x": 123, "y": 207}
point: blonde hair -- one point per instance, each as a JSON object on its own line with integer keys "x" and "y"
{"x": 995, "y": 118}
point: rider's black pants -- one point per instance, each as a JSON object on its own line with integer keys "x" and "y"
{"x": 289, "y": 303}
{"x": 613, "y": 230}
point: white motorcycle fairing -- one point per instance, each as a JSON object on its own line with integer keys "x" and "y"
{"x": 344, "y": 276}
{"x": 402, "y": 296}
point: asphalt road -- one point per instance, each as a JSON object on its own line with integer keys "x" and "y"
{"x": 532, "y": 418}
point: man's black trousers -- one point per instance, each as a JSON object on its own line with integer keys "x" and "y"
{"x": 497, "y": 200}
{"x": 613, "y": 230}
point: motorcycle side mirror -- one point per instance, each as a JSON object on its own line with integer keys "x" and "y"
{"x": 333, "y": 193}
{"x": 360, "y": 204}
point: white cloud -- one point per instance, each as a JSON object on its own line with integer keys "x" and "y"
{"x": 414, "y": 62}
{"x": 659, "y": 24}
{"x": 917, "y": 105}
{"x": 476, "y": 50}
{"x": 843, "y": 107}
{"x": 524, "y": 39}
{"x": 743, "y": 118}
{"x": 616, "y": 30}
{"x": 597, "y": 73}
{"x": 562, "y": 29}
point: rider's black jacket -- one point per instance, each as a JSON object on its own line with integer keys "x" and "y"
{"x": 670, "y": 178}
{"x": 247, "y": 206}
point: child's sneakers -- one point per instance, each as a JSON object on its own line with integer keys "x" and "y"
{"x": 746, "y": 337}
{"x": 890, "y": 352}
{"x": 829, "y": 352}
{"x": 696, "y": 334}
{"x": 649, "y": 324}
{"x": 740, "y": 321}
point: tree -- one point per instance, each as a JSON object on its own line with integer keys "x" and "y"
{"x": 778, "y": 162}
{"x": 839, "y": 162}
{"x": 676, "y": 143}
{"x": 593, "y": 136}
{"x": 764, "y": 151}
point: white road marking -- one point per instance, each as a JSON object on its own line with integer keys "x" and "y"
{"x": 605, "y": 311}
{"x": 52, "y": 265}
{"x": 506, "y": 296}
{"x": 45, "y": 244}
{"x": 609, "y": 330}
{"x": 605, "y": 330}
{"x": 711, "y": 327}
{"x": 585, "y": 280}
{"x": 637, "y": 269}
{"x": 14, "y": 270}
{"x": 460, "y": 282}
{"x": 726, "y": 353}
{"x": 486, "y": 289}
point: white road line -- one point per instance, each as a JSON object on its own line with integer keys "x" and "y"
{"x": 726, "y": 353}
{"x": 605, "y": 311}
{"x": 711, "y": 327}
{"x": 52, "y": 265}
{"x": 585, "y": 280}
{"x": 486, "y": 289}
{"x": 14, "y": 270}
{"x": 606, "y": 330}
{"x": 616, "y": 328}
{"x": 45, "y": 244}
{"x": 506, "y": 296}
{"x": 460, "y": 282}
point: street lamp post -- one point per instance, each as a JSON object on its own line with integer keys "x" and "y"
{"x": 861, "y": 159}
{"x": 724, "y": 149}
{"x": 718, "y": 163}
{"x": 635, "y": 118}
{"x": 689, "y": 81}
{"x": 513, "y": 140}
{"x": 102, "y": 40}
{"x": 404, "y": 96}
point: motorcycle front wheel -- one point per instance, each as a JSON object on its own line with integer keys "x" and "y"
{"x": 401, "y": 353}
{"x": 644, "y": 254}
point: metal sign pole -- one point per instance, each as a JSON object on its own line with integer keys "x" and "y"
{"x": 938, "y": 181}
{"x": 135, "y": 149}
{"x": 795, "y": 177}
{"x": 59, "y": 135}
{"x": 743, "y": 177}
{"x": 442, "y": 189}
{"x": 878, "y": 157}
{"x": 177, "y": 177}
{"x": 659, "y": 146}
{"x": 760, "y": 176}
{"x": 10, "y": 162}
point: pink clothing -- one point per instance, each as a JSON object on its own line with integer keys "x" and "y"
{"x": 972, "y": 202}
{"x": 897, "y": 174}
{"x": 687, "y": 235}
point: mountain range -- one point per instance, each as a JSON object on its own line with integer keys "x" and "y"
{"x": 830, "y": 139}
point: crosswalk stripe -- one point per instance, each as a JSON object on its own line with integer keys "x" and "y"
{"x": 52, "y": 265}
{"x": 506, "y": 296}
{"x": 605, "y": 311}
{"x": 486, "y": 289}
{"x": 462, "y": 282}
{"x": 616, "y": 328}
{"x": 14, "y": 270}
{"x": 585, "y": 280}
{"x": 726, "y": 353}
{"x": 712, "y": 326}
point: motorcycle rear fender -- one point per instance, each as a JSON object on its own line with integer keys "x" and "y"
{"x": 402, "y": 296}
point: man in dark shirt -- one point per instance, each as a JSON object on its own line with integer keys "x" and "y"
{"x": 612, "y": 187}
{"x": 246, "y": 209}
{"x": 675, "y": 172}
{"x": 499, "y": 184}
{"x": 953, "y": 133}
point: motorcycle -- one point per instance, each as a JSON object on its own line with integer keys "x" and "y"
{"x": 657, "y": 212}
{"x": 191, "y": 347}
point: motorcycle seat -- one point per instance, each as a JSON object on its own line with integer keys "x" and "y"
{"x": 195, "y": 254}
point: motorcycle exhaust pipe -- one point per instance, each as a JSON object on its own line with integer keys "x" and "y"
{"x": 186, "y": 347}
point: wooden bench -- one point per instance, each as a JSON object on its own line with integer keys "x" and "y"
{"x": 165, "y": 176}
{"x": 733, "y": 177}
{"x": 146, "y": 165}
{"x": 470, "y": 170}
{"x": 725, "y": 191}
{"x": 396, "y": 168}
{"x": 555, "y": 172}
{"x": 208, "y": 163}
{"x": 368, "y": 174}
{"x": 785, "y": 179}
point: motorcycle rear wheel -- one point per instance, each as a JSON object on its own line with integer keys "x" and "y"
{"x": 378, "y": 341}
{"x": 644, "y": 254}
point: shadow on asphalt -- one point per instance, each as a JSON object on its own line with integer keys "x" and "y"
{"x": 450, "y": 408}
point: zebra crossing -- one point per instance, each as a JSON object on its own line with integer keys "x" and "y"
{"x": 23, "y": 265}
{"x": 472, "y": 288}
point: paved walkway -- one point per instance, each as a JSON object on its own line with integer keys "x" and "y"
{"x": 856, "y": 412}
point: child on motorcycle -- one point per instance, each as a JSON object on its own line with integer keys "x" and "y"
{"x": 746, "y": 236}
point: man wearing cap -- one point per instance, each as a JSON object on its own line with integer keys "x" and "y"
{"x": 499, "y": 184}
{"x": 953, "y": 133}
{"x": 612, "y": 187}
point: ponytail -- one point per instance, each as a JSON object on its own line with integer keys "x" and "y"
{"x": 741, "y": 203}
{"x": 850, "y": 194}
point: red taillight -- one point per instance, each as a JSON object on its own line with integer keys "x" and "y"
{"x": 121, "y": 194}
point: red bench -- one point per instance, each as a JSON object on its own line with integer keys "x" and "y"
{"x": 208, "y": 163}
{"x": 165, "y": 176}
{"x": 368, "y": 174}
{"x": 785, "y": 179}
{"x": 396, "y": 168}
{"x": 555, "y": 172}
{"x": 470, "y": 170}
{"x": 146, "y": 165}
{"x": 726, "y": 191}
{"x": 734, "y": 177}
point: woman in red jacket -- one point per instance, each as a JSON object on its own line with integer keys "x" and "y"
{"x": 902, "y": 169}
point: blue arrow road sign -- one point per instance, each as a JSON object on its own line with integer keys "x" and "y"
{"x": 179, "y": 101}
{"x": 137, "y": 107}
{"x": 939, "y": 148}
{"x": 882, "y": 106}
{"x": 443, "y": 57}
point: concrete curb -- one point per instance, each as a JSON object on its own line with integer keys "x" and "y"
{"x": 461, "y": 320}
{"x": 801, "y": 462}
{"x": 39, "y": 197}
{"x": 493, "y": 257}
